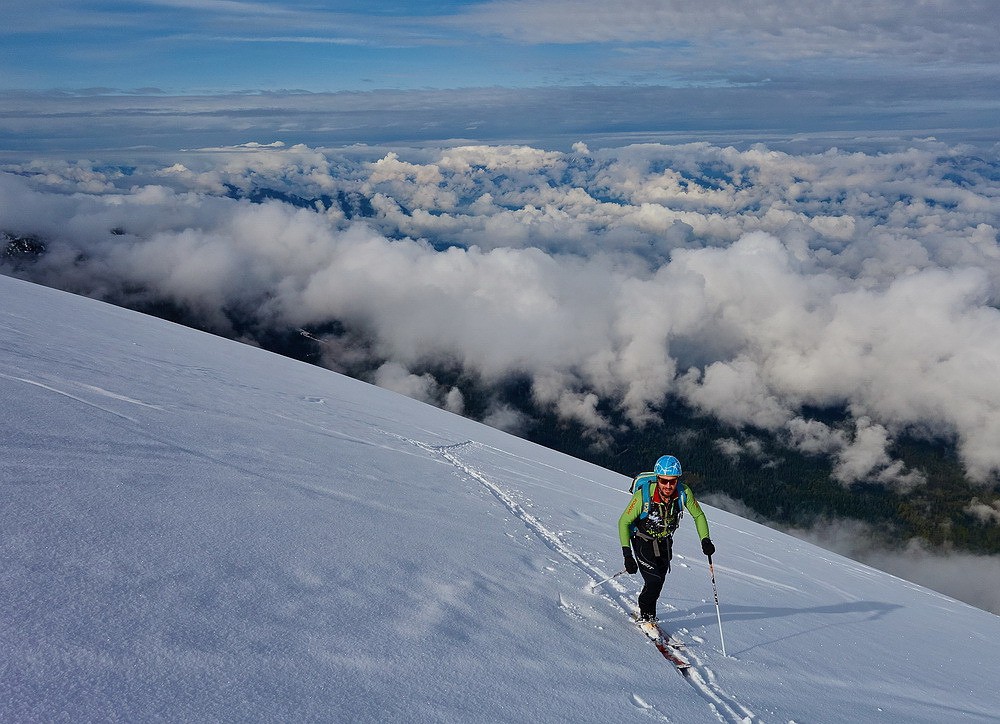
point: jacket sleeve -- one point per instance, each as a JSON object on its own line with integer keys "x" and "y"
{"x": 628, "y": 518}
{"x": 700, "y": 522}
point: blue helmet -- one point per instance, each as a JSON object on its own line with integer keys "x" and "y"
{"x": 667, "y": 465}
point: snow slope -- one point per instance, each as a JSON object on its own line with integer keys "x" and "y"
{"x": 197, "y": 530}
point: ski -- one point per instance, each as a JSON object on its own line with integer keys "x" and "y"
{"x": 662, "y": 642}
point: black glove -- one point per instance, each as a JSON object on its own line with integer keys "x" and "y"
{"x": 631, "y": 567}
{"x": 707, "y": 547}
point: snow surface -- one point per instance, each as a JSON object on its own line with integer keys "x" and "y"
{"x": 198, "y": 530}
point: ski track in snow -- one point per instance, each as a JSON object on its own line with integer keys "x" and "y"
{"x": 725, "y": 707}
{"x": 80, "y": 399}
{"x": 648, "y": 708}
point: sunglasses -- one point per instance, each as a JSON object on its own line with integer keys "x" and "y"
{"x": 667, "y": 481}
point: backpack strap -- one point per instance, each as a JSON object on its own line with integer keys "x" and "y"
{"x": 641, "y": 479}
{"x": 644, "y": 482}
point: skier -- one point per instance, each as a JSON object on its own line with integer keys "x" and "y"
{"x": 647, "y": 526}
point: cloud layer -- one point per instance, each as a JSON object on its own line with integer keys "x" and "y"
{"x": 936, "y": 29}
{"x": 846, "y": 111}
{"x": 752, "y": 284}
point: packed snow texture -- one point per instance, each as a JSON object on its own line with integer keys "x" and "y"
{"x": 198, "y": 530}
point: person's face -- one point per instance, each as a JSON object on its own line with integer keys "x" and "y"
{"x": 667, "y": 484}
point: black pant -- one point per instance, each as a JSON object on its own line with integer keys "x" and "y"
{"x": 654, "y": 569}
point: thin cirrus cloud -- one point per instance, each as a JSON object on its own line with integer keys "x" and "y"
{"x": 540, "y": 72}
{"x": 938, "y": 30}
{"x": 503, "y": 43}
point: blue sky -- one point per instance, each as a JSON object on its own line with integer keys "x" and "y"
{"x": 923, "y": 67}
{"x": 181, "y": 46}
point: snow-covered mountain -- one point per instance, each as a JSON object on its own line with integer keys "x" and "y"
{"x": 197, "y": 530}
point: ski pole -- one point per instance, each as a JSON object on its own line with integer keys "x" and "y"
{"x": 598, "y": 583}
{"x": 718, "y": 613}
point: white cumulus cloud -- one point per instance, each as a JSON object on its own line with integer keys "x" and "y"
{"x": 749, "y": 284}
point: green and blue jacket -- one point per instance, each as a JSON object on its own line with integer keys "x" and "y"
{"x": 645, "y": 497}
